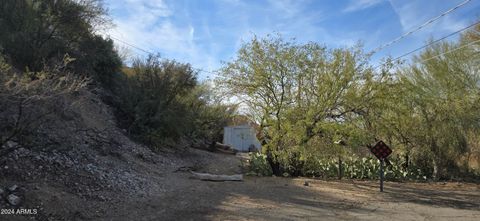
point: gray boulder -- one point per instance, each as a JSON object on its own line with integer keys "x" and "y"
{"x": 14, "y": 200}
{"x": 13, "y": 188}
{"x": 11, "y": 144}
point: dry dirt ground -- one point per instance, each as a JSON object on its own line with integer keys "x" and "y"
{"x": 176, "y": 196}
{"x": 274, "y": 198}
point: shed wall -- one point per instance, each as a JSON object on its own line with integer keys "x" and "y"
{"x": 241, "y": 137}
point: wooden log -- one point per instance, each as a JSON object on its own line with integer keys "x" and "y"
{"x": 222, "y": 146}
{"x": 214, "y": 177}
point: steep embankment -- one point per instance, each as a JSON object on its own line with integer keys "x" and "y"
{"x": 79, "y": 165}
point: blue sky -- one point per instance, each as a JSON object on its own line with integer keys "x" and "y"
{"x": 207, "y": 32}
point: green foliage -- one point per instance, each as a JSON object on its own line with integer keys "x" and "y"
{"x": 306, "y": 97}
{"x": 365, "y": 168}
{"x": 149, "y": 99}
{"x": 299, "y": 93}
{"x": 438, "y": 101}
{"x": 38, "y": 33}
{"x": 258, "y": 165}
{"x": 353, "y": 168}
{"x": 162, "y": 99}
{"x": 157, "y": 99}
{"x": 206, "y": 113}
{"x": 98, "y": 58}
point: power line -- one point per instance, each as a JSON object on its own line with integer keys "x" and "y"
{"x": 149, "y": 52}
{"x": 131, "y": 45}
{"x": 450, "y": 51}
{"x": 210, "y": 72}
{"x": 429, "y": 44}
{"x": 419, "y": 27}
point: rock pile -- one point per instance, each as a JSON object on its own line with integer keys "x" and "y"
{"x": 11, "y": 196}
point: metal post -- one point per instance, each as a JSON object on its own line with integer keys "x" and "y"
{"x": 381, "y": 175}
{"x": 340, "y": 168}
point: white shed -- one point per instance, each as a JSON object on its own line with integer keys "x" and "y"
{"x": 241, "y": 137}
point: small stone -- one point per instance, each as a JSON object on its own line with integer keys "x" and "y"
{"x": 11, "y": 144}
{"x": 14, "y": 200}
{"x": 306, "y": 183}
{"x": 13, "y": 188}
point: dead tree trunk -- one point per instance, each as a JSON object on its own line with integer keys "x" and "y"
{"x": 213, "y": 177}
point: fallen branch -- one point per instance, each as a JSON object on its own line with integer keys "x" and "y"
{"x": 223, "y": 146}
{"x": 213, "y": 177}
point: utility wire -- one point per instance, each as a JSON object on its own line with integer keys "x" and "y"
{"x": 429, "y": 44}
{"x": 419, "y": 27}
{"x": 376, "y": 49}
{"x": 149, "y": 52}
{"x": 210, "y": 72}
{"x": 450, "y": 51}
{"x": 131, "y": 45}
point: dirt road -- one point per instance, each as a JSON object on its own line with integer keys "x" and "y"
{"x": 274, "y": 198}
{"x": 288, "y": 199}
{"x": 173, "y": 195}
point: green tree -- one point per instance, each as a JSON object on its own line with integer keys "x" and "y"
{"x": 444, "y": 92}
{"x": 149, "y": 107}
{"x": 300, "y": 93}
{"x": 207, "y": 114}
{"x": 161, "y": 100}
{"x": 38, "y": 33}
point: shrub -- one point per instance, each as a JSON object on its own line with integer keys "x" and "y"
{"x": 207, "y": 115}
{"x": 162, "y": 100}
{"x": 354, "y": 167}
{"x": 37, "y": 33}
{"x": 149, "y": 104}
{"x": 258, "y": 165}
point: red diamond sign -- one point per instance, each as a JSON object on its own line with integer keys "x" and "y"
{"x": 381, "y": 150}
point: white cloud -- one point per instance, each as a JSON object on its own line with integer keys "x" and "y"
{"x": 408, "y": 14}
{"x": 288, "y": 8}
{"x": 412, "y": 14}
{"x": 356, "y": 5}
{"x": 148, "y": 25}
{"x": 145, "y": 22}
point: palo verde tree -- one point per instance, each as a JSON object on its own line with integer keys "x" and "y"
{"x": 442, "y": 87}
{"x": 305, "y": 97}
{"x": 300, "y": 92}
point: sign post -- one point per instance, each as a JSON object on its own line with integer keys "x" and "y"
{"x": 381, "y": 151}
{"x": 381, "y": 175}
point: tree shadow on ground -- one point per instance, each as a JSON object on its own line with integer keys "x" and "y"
{"x": 271, "y": 198}
{"x": 435, "y": 194}
{"x": 259, "y": 199}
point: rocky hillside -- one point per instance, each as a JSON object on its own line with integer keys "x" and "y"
{"x": 78, "y": 164}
